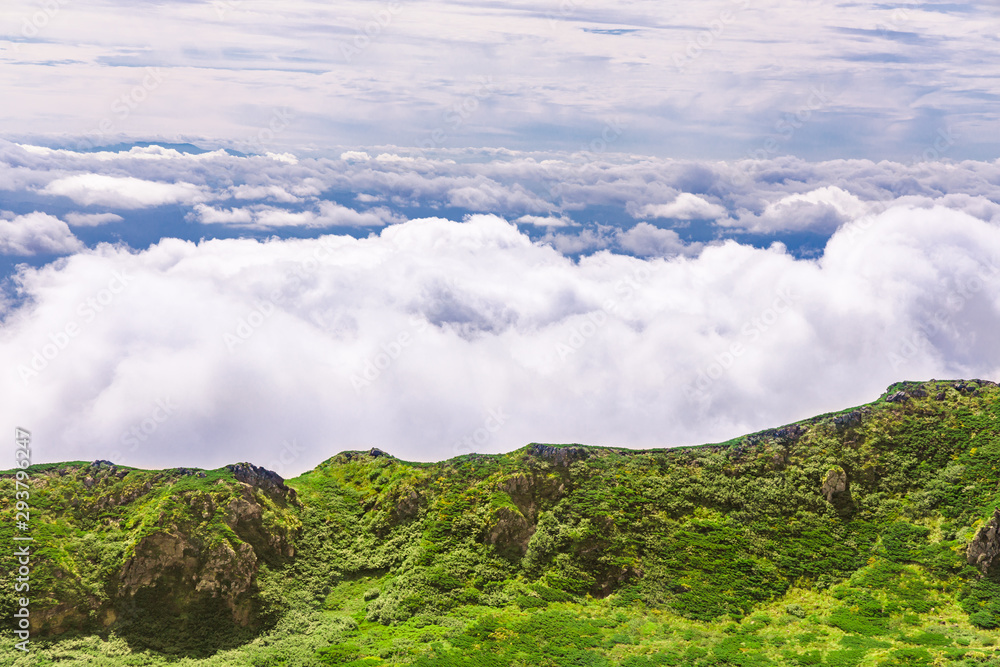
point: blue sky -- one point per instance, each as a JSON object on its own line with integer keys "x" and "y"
{"x": 237, "y": 230}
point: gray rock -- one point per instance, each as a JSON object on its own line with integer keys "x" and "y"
{"x": 984, "y": 550}
{"x": 834, "y": 485}
{"x": 561, "y": 456}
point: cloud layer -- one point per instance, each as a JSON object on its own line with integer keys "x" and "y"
{"x": 582, "y": 203}
{"x": 285, "y": 352}
{"x": 691, "y": 79}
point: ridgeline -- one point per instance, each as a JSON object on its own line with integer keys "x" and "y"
{"x": 865, "y": 537}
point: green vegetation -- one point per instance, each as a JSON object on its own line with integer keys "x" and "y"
{"x": 843, "y": 540}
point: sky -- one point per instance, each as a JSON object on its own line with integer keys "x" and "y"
{"x": 246, "y": 231}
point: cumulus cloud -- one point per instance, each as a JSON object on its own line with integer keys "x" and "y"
{"x": 685, "y": 206}
{"x": 545, "y": 221}
{"x": 820, "y": 210}
{"x": 36, "y": 234}
{"x": 326, "y": 214}
{"x": 91, "y": 219}
{"x": 210, "y": 215}
{"x": 124, "y": 192}
{"x": 645, "y": 240}
{"x": 408, "y": 339}
{"x": 772, "y": 196}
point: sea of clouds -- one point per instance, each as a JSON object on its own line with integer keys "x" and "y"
{"x": 287, "y": 307}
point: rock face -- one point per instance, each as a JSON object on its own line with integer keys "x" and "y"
{"x": 836, "y": 489}
{"x": 191, "y": 570}
{"x": 262, "y": 478}
{"x": 191, "y": 560}
{"x": 510, "y": 532}
{"x": 848, "y": 420}
{"x": 834, "y": 484}
{"x": 561, "y": 456}
{"x": 984, "y": 550}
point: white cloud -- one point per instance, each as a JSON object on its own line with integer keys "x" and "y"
{"x": 275, "y": 192}
{"x": 724, "y": 98}
{"x": 820, "y": 210}
{"x": 685, "y": 206}
{"x": 381, "y": 157}
{"x": 36, "y": 234}
{"x": 769, "y": 196}
{"x": 210, "y": 215}
{"x": 91, "y": 219}
{"x": 325, "y": 214}
{"x": 287, "y": 158}
{"x": 844, "y": 202}
{"x": 645, "y": 240}
{"x": 333, "y": 214}
{"x": 406, "y": 340}
{"x": 547, "y": 221}
{"x": 124, "y": 192}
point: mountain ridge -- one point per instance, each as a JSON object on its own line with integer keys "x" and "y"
{"x": 880, "y": 516}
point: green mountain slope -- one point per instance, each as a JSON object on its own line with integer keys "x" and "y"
{"x": 866, "y": 537}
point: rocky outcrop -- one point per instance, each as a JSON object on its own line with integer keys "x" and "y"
{"x": 262, "y": 478}
{"x": 984, "y": 550}
{"x": 836, "y": 488}
{"x": 190, "y": 569}
{"x": 834, "y": 484}
{"x": 407, "y": 506}
{"x": 847, "y": 420}
{"x": 374, "y": 453}
{"x": 509, "y": 532}
{"x": 245, "y": 516}
{"x": 785, "y": 435}
{"x": 560, "y": 456}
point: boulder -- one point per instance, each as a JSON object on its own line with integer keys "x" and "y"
{"x": 984, "y": 550}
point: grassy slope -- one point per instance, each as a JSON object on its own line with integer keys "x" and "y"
{"x": 723, "y": 554}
